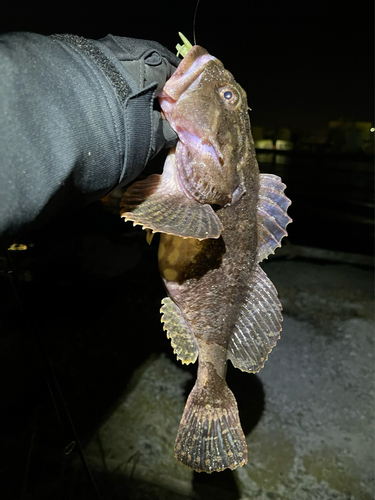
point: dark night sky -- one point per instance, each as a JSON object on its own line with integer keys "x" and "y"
{"x": 301, "y": 63}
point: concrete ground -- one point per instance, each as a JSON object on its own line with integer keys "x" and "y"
{"x": 308, "y": 415}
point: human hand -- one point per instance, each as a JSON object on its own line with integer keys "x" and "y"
{"x": 147, "y": 62}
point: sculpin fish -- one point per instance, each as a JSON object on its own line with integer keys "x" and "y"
{"x": 219, "y": 218}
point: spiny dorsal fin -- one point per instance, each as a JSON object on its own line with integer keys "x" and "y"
{"x": 271, "y": 215}
{"x": 182, "y": 341}
{"x": 156, "y": 203}
{"x": 258, "y": 326}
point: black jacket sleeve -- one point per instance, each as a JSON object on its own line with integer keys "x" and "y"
{"x": 77, "y": 119}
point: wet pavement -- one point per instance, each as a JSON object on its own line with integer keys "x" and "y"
{"x": 313, "y": 404}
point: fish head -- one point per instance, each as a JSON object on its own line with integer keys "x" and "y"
{"x": 208, "y": 109}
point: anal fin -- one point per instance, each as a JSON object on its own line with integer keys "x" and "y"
{"x": 258, "y": 326}
{"x": 272, "y": 215}
{"x": 182, "y": 341}
{"x": 158, "y": 204}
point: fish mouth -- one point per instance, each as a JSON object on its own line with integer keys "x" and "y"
{"x": 198, "y": 146}
{"x": 201, "y": 171}
{"x": 189, "y": 69}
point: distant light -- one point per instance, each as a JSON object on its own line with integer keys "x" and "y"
{"x": 372, "y": 129}
{"x": 17, "y": 246}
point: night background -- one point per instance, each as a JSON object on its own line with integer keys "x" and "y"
{"x": 89, "y": 285}
{"x": 302, "y": 65}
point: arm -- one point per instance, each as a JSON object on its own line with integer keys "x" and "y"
{"x": 76, "y": 120}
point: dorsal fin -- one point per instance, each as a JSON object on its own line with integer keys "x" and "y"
{"x": 272, "y": 218}
{"x": 258, "y": 326}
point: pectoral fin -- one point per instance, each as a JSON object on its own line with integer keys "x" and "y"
{"x": 258, "y": 326}
{"x": 272, "y": 218}
{"x": 182, "y": 341}
{"x": 158, "y": 204}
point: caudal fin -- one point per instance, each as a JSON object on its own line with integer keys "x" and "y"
{"x": 210, "y": 437}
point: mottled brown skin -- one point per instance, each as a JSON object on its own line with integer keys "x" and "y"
{"x": 207, "y": 279}
{"x": 218, "y": 218}
{"x": 208, "y": 285}
{"x": 213, "y": 275}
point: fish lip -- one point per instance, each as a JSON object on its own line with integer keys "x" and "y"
{"x": 190, "y": 68}
{"x": 192, "y": 57}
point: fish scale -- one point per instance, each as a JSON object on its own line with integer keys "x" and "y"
{"x": 218, "y": 218}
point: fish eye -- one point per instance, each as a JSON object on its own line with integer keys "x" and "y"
{"x": 229, "y": 95}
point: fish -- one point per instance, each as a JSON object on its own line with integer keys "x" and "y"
{"x": 218, "y": 218}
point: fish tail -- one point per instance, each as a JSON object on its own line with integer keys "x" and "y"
{"x": 210, "y": 436}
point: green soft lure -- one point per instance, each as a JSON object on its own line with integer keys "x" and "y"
{"x": 182, "y": 50}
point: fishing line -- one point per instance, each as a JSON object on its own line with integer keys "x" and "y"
{"x": 195, "y": 16}
{"x": 52, "y": 383}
